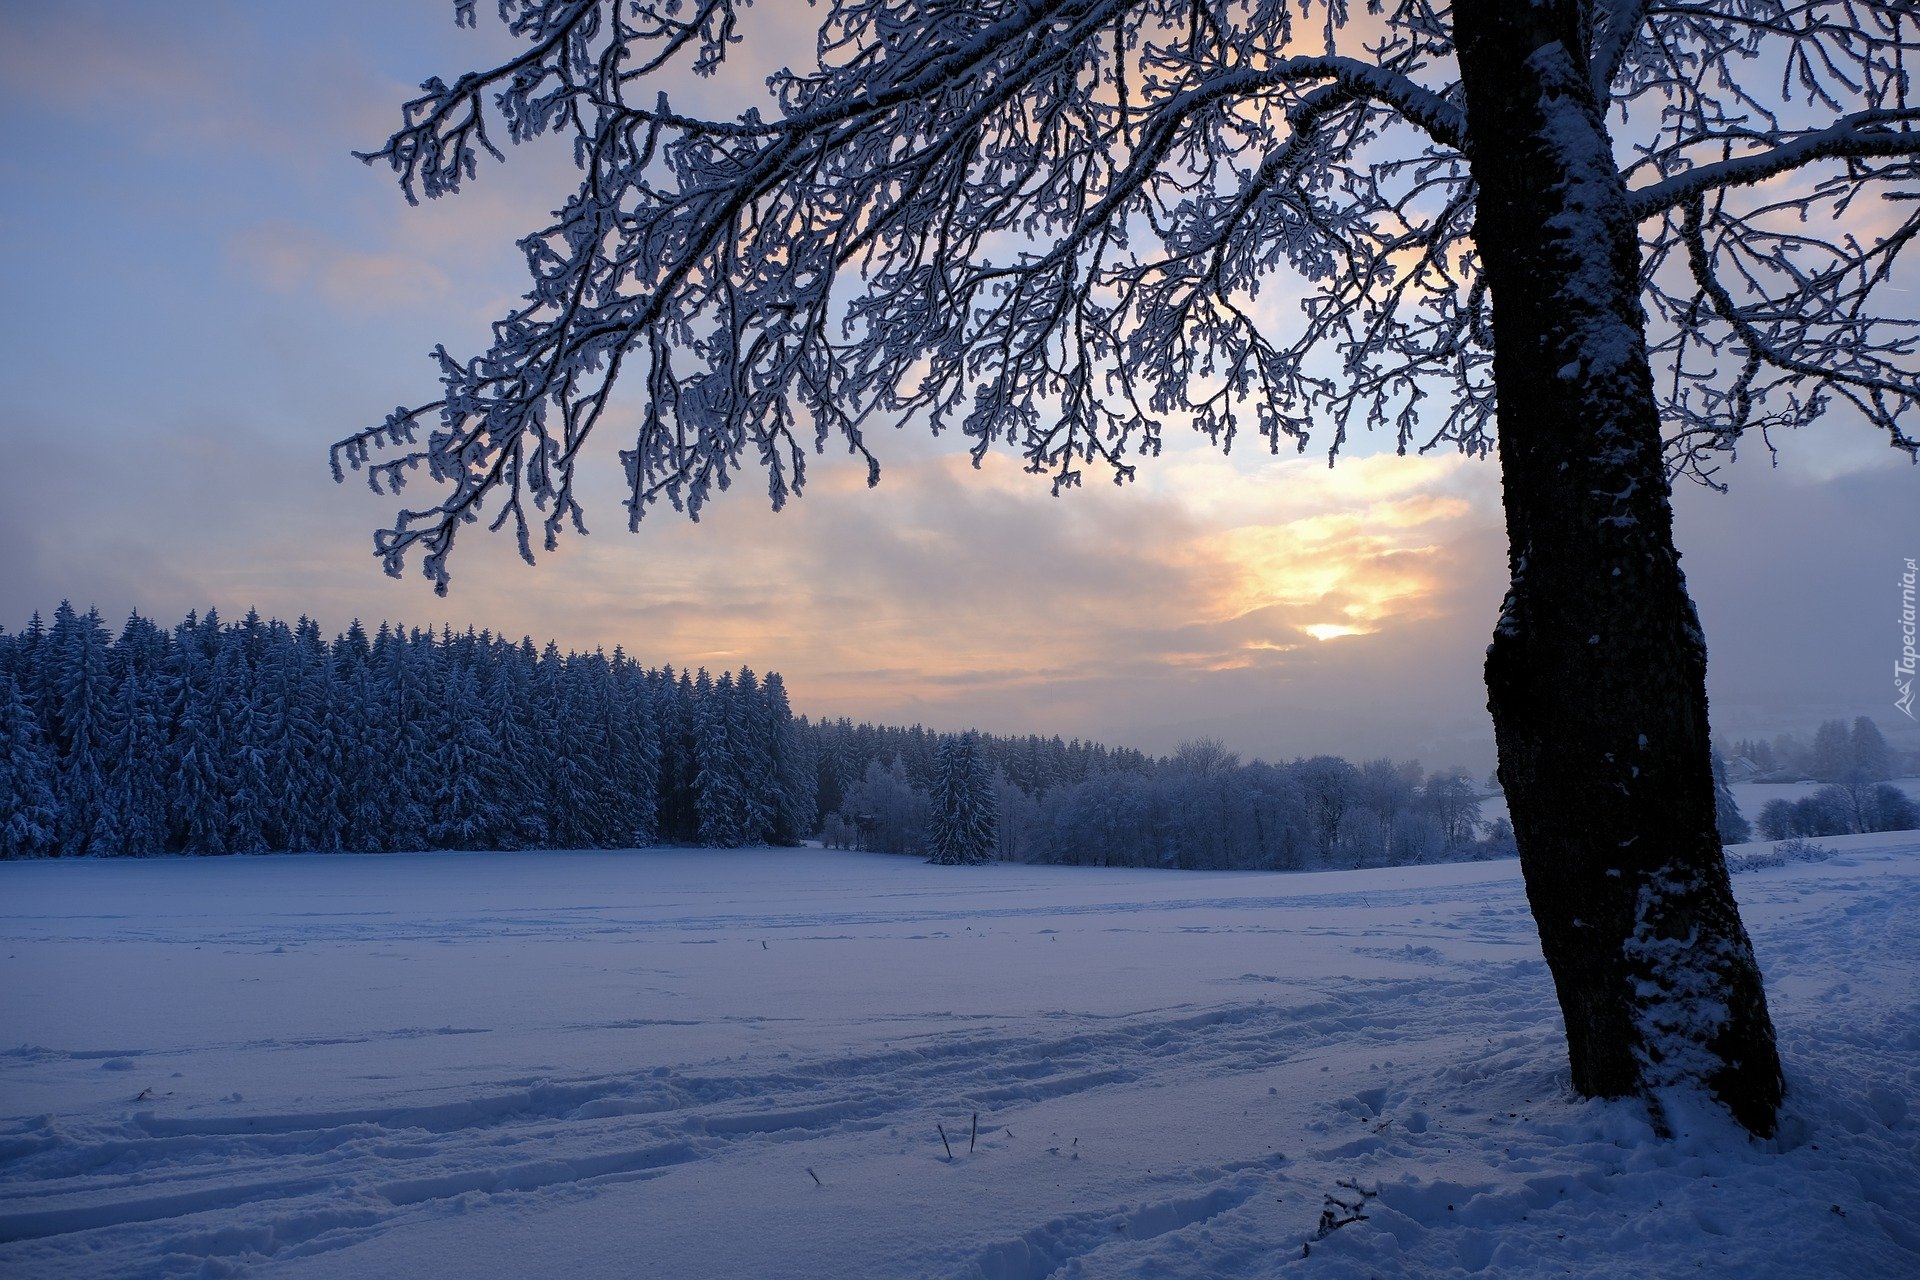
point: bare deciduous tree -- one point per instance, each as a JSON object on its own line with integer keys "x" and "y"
{"x": 1611, "y": 239}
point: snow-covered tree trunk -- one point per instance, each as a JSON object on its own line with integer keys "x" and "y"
{"x": 1597, "y": 672}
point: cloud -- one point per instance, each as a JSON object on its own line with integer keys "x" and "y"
{"x": 289, "y": 258}
{"x": 1353, "y": 569}
{"x": 955, "y": 597}
{"x": 66, "y": 57}
{"x": 1268, "y": 601}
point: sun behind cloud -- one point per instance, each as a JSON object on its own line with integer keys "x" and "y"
{"x": 1378, "y": 560}
{"x": 1332, "y": 630}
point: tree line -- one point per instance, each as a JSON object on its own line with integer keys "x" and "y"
{"x": 1199, "y": 809}
{"x": 1838, "y": 752}
{"x": 1854, "y": 762}
{"x": 259, "y": 737}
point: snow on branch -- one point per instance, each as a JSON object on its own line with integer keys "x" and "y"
{"x": 1771, "y": 159}
{"x": 1041, "y": 222}
{"x": 1062, "y": 226}
{"x": 1861, "y": 136}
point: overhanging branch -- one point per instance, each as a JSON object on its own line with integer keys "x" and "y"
{"x": 1859, "y": 136}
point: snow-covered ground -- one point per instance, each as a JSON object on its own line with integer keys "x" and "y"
{"x": 683, "y": 1063}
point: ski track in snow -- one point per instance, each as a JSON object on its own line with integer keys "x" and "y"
{"x": 538, "y": 1134}
{"x": 1169, "y": 1082}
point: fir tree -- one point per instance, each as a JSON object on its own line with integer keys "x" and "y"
{"x": 719, "y": 801}
{"x": 963, "y": 819}
{"x": 520, "y": 801}
{"x": 464, "y": 807}
{"x": 1832, "y": 752}
{"x": 244, "y": 727}
{"x": 28, "y": 818}
{"x": 404, "y": 681}
{"x": 261, "y": 737}
{"x": 80, "y": 699}
{"x": 751, "y": 733}
{"x": 304, "y": 797}
{"x": 636, "y": 753}
{"x": 136, "y": 786}
{"x": 793, "y": 771}
{"x": 360, "y": 744}
{"x": 197, "y": 808}
{"x": 569, "y": 784}
{"x": 679, "y": 760}
{"x": 591, "y": 746}
{"x": 1872, "y": 761}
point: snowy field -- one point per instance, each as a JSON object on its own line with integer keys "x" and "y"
{"x": 692, "y": 1064}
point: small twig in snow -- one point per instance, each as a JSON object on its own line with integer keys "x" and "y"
{"x": 1332, "y": 1211}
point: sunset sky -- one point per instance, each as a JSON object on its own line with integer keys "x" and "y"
{"x": 204, "y": 289}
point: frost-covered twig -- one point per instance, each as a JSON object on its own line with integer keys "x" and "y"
{"x": 1064, "y": 226}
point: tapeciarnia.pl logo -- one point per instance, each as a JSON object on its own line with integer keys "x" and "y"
{"x": 1903, "y": 669}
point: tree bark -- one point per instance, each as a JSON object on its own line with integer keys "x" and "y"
{"x": 1597, "y": 672}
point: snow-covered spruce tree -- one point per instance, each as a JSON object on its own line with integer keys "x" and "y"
{"x": 963, "y": 812}
{"x": 287, "y": 732}
{"x": 679, "y": 763}
{"x": 637, "y": 730}
{"x": 1872, "y": 761}
{"x": 359, "y": 760}
{"x": 464, "y": 806}
{"x": 313, "y": 786}
{"x": 78, "y": 711}
{"x": 245, "y": 719}
{"x": 506, "y": 696}
{"x": 751, "y": 735}
{"x": 1045, "y": 222}
{"x": 138, "y": 782}
{"x": 980, "y": 819}
{"x": 29, "y": 821}
{"x": 580, "y": 752}
{"x": 943, "y": 800}
{"x": 719, "y": 788}
{"x": 1832, "y": 752}
{"x": 198, "y": 786}
{"x": 795, "y": 772}
{"x": 399, "y": 719}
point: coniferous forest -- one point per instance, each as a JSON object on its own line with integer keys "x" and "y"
{"x": 257, "y": 737}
